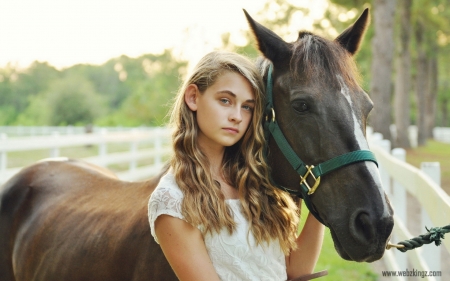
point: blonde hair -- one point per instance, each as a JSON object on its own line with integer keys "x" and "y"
{"x": 271, "y": 213}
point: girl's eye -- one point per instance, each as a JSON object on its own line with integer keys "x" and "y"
{"x": 247, "y": 107}
{"x": 225, "y": 101}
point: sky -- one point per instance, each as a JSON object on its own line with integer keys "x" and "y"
{"x": 67, "y": 32}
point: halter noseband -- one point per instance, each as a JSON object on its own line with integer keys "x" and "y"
{"x": 305, "y": 171}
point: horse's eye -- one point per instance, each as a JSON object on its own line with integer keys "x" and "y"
{"x": 300, "y": 106}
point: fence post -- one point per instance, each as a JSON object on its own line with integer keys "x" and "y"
{"x": 69, "y": 130}
{"x": 413, "y": 135}
{"x": 54, "y": 152}
{"x": 3, "y": 154}
{"x": 158, "y": 146}
{"x": 102, "y": 148}
{"x": 133, "y": 151}
{"x": 431, "y": 254}
{"x": 400, "y": 207}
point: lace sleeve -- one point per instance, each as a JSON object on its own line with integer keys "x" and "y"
{"x": 164, "y": 201}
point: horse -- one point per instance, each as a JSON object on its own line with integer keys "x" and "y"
{"x": 68, "y": 220}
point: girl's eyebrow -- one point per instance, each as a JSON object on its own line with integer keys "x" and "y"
{"x": 234, "y": 95}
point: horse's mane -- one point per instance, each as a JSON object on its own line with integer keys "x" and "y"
{"x": 324, "y": 62}
{"x": 263, "y": 64}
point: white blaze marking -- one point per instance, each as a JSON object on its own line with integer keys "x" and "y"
{"x": 362, "y": 142}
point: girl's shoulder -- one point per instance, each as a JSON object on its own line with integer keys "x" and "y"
{"x": 165, "y": 200}
{"x": 167, "y": 186}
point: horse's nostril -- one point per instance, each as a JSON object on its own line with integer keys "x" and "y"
{"x": 362, "y": 227}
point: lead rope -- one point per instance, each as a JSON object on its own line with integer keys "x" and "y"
{"x": 434, "y": 234}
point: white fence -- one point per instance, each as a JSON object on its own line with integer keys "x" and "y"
{"x": 27, "y": 131}
{"x": 428, "y": 206}
{"x": 441, "y": 134}
{"x": 150, "y": 143}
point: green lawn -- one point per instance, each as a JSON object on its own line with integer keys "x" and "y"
{"x": 340, "y": 269}
{"x": 434, "y": 151}
{"x": 25, "y": 158}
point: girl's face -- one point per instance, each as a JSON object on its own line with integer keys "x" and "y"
{"x": 224, "y": 110}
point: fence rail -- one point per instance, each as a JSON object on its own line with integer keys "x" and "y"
{"x": 151, "y": 143}
{"x": 27, "y": 131}
{"x": 401, "y": 181}
{"x": 441, "y": 134}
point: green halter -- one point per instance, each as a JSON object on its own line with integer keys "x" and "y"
{"x": 305, "y": 171}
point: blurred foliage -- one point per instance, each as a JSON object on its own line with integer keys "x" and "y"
{"x": 18, "y": 87}
{"x": 283, "y": 16}
{"x": 137, "y": 91}
{"x": 123, "y": 91}
{"x": 435, "y": 18}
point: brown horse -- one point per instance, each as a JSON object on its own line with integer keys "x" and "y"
{"x": 68, "y": 220}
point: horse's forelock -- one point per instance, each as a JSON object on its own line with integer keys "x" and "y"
{"x": 262, "y": 64}
{"x": 322, "y": 61}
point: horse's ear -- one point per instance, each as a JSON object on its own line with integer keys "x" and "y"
{"x": 351, "y": 38}
{"x": 271, "y": 45}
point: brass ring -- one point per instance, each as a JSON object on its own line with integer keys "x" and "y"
{"x": 391, "y": 245}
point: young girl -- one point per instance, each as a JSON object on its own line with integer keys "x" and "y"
{"x": 215, "y": 213}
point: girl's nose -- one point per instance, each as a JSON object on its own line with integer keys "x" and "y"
{"x": 235, "y": 115}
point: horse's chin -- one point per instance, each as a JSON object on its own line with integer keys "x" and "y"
{"x": 354, "y": 254}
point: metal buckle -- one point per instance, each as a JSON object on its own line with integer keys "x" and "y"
{"x": 273, "y": 115}
{"x": 312, "y": 189}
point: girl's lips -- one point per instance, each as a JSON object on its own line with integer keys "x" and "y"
{"x": 231, "y": 130}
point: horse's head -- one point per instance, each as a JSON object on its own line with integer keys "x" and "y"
{"x": 322, "y": 112}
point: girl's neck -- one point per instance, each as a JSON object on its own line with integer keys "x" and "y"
{"x": 215, "y": 157}
{"x": 216, "y": 167}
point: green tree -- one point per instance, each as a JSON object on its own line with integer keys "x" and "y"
{"x": 105, "y": 80}
{"x": 18, "y": 86}
{"x": 153, "y": 81}
{"x": 403, "y": 76}
{"x": 431, "y": 30}
{"x": 428, "y": 73}
{"x": 68, "y": 101}
{"x": 37, "y": 112}
{"x": 73, "y": 101}
{"x": 122, "y": 91}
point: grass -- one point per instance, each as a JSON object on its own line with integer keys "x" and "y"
{"x": 433, "y": 151}
{"x": 25, "y": 158}
{"x": 340, "y": 269}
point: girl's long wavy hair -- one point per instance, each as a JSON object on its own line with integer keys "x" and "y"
{"x": 271, "y": 213}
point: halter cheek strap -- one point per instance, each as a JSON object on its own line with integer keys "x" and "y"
{"x": 305, "y": 172}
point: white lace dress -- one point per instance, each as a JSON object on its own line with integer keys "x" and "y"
{"x": 235, "y": 256}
